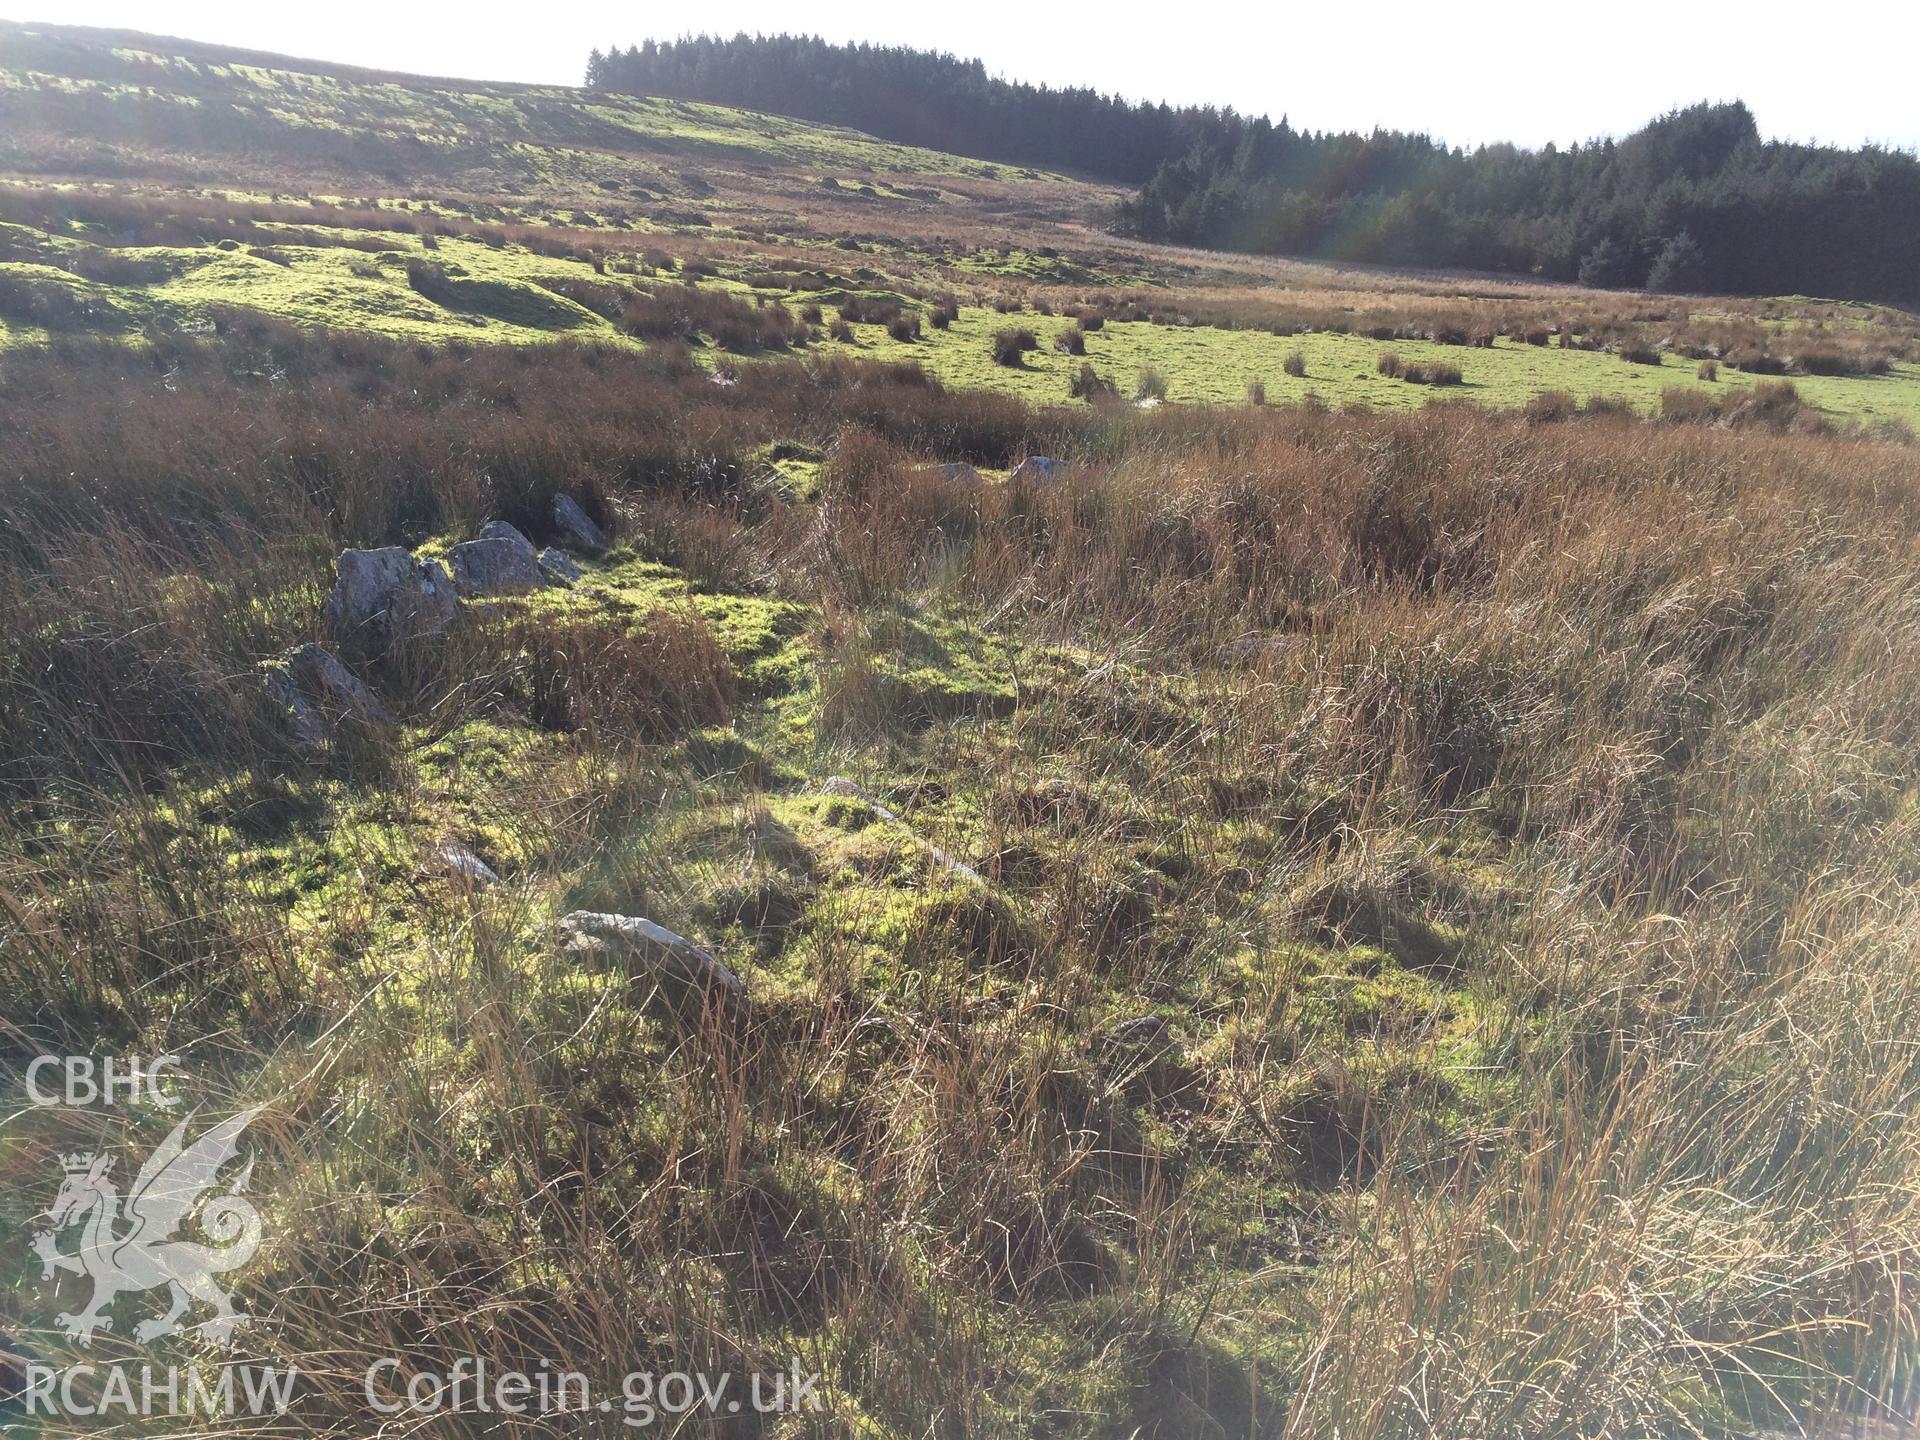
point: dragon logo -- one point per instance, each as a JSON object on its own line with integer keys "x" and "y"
{"x": 129, "y": 1246}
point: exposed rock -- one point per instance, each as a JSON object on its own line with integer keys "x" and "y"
{"x": 575, "y": 527}
{"x": 1147, "y": 1032}
{"x": 315, "y": 692}
{"x": 840, "y": 785}
{"x": 643, "y": 948}
{"x": 382, "y": 595}
{"x": 958, "y": 473}
{"x": 558, "y": 567}
{"x": 424, "y": 606}
{"x": 363, "y": 579}
{"x": 304, "y": 721}
{"x": 322, "y": 675}
{"x": 465, "y": 866}
{"x": 494, "y": 566}
{"x": 1038, "y": 467}
{"x": 501, "y": 530}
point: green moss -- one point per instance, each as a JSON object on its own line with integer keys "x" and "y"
{"x": 907, "y": 670}
{"x": 497, "y": 297}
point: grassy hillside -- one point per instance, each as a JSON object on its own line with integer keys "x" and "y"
{"x": 1433, "y": 891}
{"x": 1341, "y": 915}
{"x": 91, "y": 102}
{"x": 306, "y": 192}
{"x": 523, "y": 281}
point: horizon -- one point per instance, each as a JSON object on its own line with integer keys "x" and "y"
{"x": 1419, "y": 88}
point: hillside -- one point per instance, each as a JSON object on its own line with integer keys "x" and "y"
{"x": 77, "y": 104}
{"x": 166, "y": 184}
{"x": 1068, "y": 838}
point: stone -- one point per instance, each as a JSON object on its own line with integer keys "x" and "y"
{"x": 840, "y": 785}
{"x": 320, "y": 673}
{"x": 1038, "y": 467}
{"x": 465, "y": 866}
{"x": 494, "y": 566}
{"x": 425, "y": 605}
{"x": 363, "y": 581}
{"x": 957, "y": 473}
{"x": 501, "y": 530}
{"x": 643, "y": 948}
{"x": 303, "y": 718}
{"x": 558, "y": 567}
{"x": 1143, "y": 1031}
{"x": 315, "y": 692}
{"x": 575, "y": 528}
{"x": 385, "y": 594}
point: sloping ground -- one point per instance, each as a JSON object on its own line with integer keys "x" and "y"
{"x": 77, "y": 102}
{"x": 529, "y": 290}
{"x": 201, "y": 181}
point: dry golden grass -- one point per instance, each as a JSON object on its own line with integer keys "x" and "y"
{"x": 1511, "y": 825}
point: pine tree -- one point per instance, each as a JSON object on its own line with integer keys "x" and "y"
{"x": 1602, "y": 266}
{"x": 1680, "y": 266}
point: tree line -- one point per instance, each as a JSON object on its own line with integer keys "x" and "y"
{"x": 1694, "y": 201}
{"x": 914, "y": 97}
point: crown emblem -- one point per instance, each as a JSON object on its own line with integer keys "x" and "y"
{"x": 79, "y": 1162}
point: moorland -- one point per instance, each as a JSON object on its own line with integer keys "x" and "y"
{"x": 1375, "y": 896}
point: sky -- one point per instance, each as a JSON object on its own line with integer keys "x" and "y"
{"x": 1465, "y": 73}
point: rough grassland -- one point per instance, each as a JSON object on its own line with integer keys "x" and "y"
{"x": 1311, "y": 921}
{"x": 1207, "y": 365}
{"x": 534, "y": 136}
{"x": 563, "y": 176}
{"x": 345, "y": 287}
{"x": 1438, "y": 892}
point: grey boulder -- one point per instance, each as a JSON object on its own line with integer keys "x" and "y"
{"x": 495, "y": 566}
{"x": 302, "y": 717}
{"x": 465, "y": 866}
{"x": 385, "y": 594}
{"x": 501, "y": 530}
{"x": 1038, "y": 467}
{"x": 957, "y": 473}
{"x": 558, "y": 567}
{"x": 575, "y": 528}
{"x": 314, "y": 692}
{"x": 1147, "y": 1032}
{"x": 642, "y": 948}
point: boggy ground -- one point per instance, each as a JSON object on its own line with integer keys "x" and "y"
{"x": 1440, "y": 960}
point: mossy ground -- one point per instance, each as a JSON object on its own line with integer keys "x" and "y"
{"x": 726, "y": 835}
{"x": 1114, "y": 1094}
{"x": 500, "y": 298}
{"x": 1205, "y": 365}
